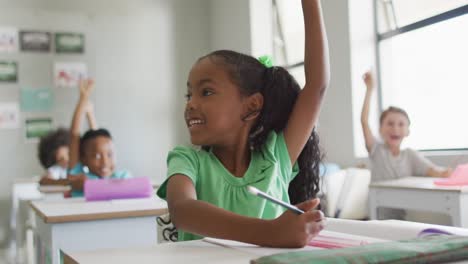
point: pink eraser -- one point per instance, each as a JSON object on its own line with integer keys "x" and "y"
{"x": 108, "y": 189}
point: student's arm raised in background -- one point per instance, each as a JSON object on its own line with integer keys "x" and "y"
{"x": 368, "y": 136}
{"x": 199, "y": 217}
{"x": 86, "y": 87}
{"x": 317, "y": 72}
{"x": 91, "y": 117}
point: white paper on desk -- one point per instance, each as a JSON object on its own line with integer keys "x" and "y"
{"x": 264, "y": 251}
{"x": 252, "y": 249}
{"x": 386, "y": 229}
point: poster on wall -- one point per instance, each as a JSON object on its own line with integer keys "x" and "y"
{"x": 9, "y": 115}
{"x": 66, "y": 42}
{"x": 8, "y": 39}
{"x": 8, "y": 71}
{"x": 68, "y": 74}
{"x": 37, "y": 41}
{"x": 36, "y": 100}
{"x": 37, "y": 127}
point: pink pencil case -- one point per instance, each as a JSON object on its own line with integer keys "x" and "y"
{"x": 459, "y": 177}
{"x": 109, "y": 189}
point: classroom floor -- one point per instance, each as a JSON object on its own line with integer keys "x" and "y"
{"x": 5, "y": 259}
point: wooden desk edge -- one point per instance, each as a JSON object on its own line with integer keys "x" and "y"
{"x": 67, "y": 259}
{"x": 36, "y": 210}
{"x": 98, "y": 216}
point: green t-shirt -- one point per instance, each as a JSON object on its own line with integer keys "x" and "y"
{"x": 269, "y": 171}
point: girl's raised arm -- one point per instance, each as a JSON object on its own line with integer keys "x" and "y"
{"x": 317, "y": 71}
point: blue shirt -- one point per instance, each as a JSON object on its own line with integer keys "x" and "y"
{"x": 79, "y": 169}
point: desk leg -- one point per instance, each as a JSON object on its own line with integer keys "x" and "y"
{"x": 373, "y": 204}
{"x": 459, "y": 213}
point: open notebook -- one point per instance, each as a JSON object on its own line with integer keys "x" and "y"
{"x": 346, "y": 240}
{"x": 325, "y": 240}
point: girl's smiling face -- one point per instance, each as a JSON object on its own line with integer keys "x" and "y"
{"x": 215, "y": 106}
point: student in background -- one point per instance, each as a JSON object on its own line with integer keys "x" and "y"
{"x": 256, "y": 127}
{"x": 92, "y": 156}
{"x": 388, "y": 160}
{"x": 53, "y": 156}
{"x": 53, "y": 152}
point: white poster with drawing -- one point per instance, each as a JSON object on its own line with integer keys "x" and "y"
{"x": 8, "y": 39}
{"x": 9, "y": 115}
{"x": 68, "y": 74}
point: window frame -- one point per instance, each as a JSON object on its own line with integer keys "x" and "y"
{"x": 459, "y": 11}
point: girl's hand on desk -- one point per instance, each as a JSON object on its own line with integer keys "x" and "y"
{"x": 293, "y": 230}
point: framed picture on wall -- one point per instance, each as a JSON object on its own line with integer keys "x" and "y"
{"x": 8, "y": 39}
{"x": 37, "y": 127}
{"x": 67, "y": 42}
{"x": 8, "y": 71}
{"x": 36, "y": 99}
{"x": 9, "y": 115}
{"x": 68, "y": 74}
{"x": 36, "y": 41}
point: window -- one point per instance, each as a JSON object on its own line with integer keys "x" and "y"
{"x": 288, "y": 35}
{"x": 423, "y": 55}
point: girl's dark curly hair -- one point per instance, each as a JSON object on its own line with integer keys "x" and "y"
{"x": 49, "y": 144}
{"x": 280, "y": 91}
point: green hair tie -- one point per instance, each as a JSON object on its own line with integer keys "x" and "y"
{"x": 266, "y": 60}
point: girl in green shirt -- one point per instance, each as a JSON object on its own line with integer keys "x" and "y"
{"x": 256, "y": 127}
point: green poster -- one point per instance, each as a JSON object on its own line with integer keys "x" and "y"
{"x": 36, "y": 100}
{"x": 8, "y": 71}
{"x": 37, "y": 127}
{"x": 69, "y": 42}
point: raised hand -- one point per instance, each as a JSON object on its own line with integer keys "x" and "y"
{"x": 86, "y": 87}
{"x": 368, "y": 79}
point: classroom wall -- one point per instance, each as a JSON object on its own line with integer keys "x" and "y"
{"x": 138, "y": 51}
{"x": 335, "y": 121}
{"x": 243, "y": 25}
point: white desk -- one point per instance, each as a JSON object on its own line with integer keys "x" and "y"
{"x": 420, "y": 193}
{"x": 200, "y": 251}
{"x": 22, "y": 190}
{"x": 74, "y": 224}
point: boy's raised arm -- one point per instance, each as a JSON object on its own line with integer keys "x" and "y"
{"x": 86, "y": 87}
{"x": 368, "y": 136}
